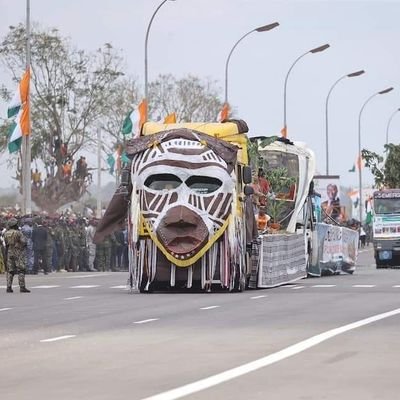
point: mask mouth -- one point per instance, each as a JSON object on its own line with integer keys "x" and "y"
{"x": 182, "y": 232}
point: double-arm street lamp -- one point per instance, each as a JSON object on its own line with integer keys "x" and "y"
{"x": 146, "y": 76}
{"x": 312, "y": 51}
{"x": 388, "y": 124}
{"x": 352, "y": 75}
{"x": 264, "y": 28}
{"x": 359, "y": 148}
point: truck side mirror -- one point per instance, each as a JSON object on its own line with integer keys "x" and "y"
{"x": 248, "y": 190}
{"x": 247, "y": 175}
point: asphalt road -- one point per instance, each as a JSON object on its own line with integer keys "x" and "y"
{"x": 84, "y": 336}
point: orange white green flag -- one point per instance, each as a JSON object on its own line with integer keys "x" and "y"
{"x": 18, "y": 109}
{"x": 135, "y": 119}
{"x": 170, "y": 119}
{"x": 224, "y": 113}
{"x": 19, "y": 128}
{"x": 20, "y": 97}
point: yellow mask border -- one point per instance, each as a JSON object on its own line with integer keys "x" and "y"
{"x": 190, "y": 261}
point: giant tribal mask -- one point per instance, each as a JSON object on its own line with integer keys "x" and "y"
{"x": 184, "y": 184}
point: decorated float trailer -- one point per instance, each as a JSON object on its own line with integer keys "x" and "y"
{"x": 287, "y": 253}
{"x": 191, "y": 224}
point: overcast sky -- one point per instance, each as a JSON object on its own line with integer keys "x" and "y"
{"x": 195, "y": 36}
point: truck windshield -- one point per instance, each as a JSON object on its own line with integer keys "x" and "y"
{"x": 387, "y": 206}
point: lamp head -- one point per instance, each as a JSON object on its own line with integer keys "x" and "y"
{"x": 386, "y": 90}
{"x": 357, "y": 73}
{"x": 267, "y": 27}
{"x": 320, "y": 48}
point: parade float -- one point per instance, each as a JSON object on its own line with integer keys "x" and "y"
{"x": 186, "y": 196}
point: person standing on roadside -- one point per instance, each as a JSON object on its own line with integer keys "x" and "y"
{"x": 27, "y": 231}
{"x": 39, "y": 239}
{"x": 16, "y": 243}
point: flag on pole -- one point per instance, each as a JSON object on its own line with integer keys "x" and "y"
{"x": 114, "y": 160}
{"x": 135, "y": 119}
{"x": 355, "y": 197}
{"x": 359, "y": 162}
{"x": 368, "y": 209}
{"x": 170, "y": 119}
{"x": 224, "y": 113}
{"x": 20, "y": 97}
{"x": 18, "y": 128}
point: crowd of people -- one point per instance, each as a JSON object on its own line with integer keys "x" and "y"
{"x": 63, "y": 244}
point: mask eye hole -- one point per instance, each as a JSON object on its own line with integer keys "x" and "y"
{"x": 203, "y": 184}
{"x": 162, "y": 182}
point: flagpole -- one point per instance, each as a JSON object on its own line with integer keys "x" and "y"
{"x": 98, "y": 211}
{"x": 26, "y": 145}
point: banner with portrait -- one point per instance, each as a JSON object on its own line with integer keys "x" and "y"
{"x": 328, "y": 186}
{"x": 335, "y": 251}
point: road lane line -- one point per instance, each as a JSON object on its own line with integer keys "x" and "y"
{"x": 45, "y": 286}
{"x": 119, "y": 287}
{"x": 323, "y": 286}
{"x": 84, "y": 286}
{"x": 55, "y": 339}
{"x": 145, "y": 321}
{"x": 297, "y": 287}
{"x": 5, "y": 309}
{"x": 94, "y": 275}
{"x": 258, "y": 297}
{"x": 396, "y": 286}
{"x": 209, "y": 307}
{"x": 364, "y": 286}
{"x": 73, "y": 298}
{"x": 273, "y": 358}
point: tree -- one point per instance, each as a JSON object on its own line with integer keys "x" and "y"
{"x": 70, "y": 92}
{"x": 386, "y": 171}
{"x": 190, "y": 98}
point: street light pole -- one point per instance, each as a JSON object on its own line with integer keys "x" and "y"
{"x": 146, "y": 77}
{"x": 264, "y": 28}
{"x": 359, "y": 160}
{"x": 388, "y": 125}
{"x": 312, "y": 51}
{"x": 352, "y": 75}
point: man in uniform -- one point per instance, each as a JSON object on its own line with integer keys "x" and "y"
{"x": 16, "y": 256}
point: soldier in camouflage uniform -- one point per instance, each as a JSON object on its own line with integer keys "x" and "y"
{"x": 27, "y": 231}
{"x": 49, "y": 245}
{"x": 74, "y": 234}
{"x": 103, "y": 254}
{"x": 59, "y": 245}
{"x": 67, "y": 247}
{"x": 83, "y": 256}
{"x": 16, "y": 256}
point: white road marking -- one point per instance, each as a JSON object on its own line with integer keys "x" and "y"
{"x": 55, "y": 339}
{"x": 5, "y": 287}
{"x": 73, "y": 298}
{"x": 45, "y": 286}
{"x": 298, "y": 287}
{"x": 396, "y": 286}
{"x": 5, "y": 309}
{"x": 84, "y": 286}
{"x": 118, "y": 287}
{"x": 364, "y": 286}
{"x": 244, "y": 369}
{"x": 258, "y": 297}
{"x": 323, "y": 286}
{"x": 145, "y": 321}
{"x": 94, "y": 275}
{"x": 209, "y": 307}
